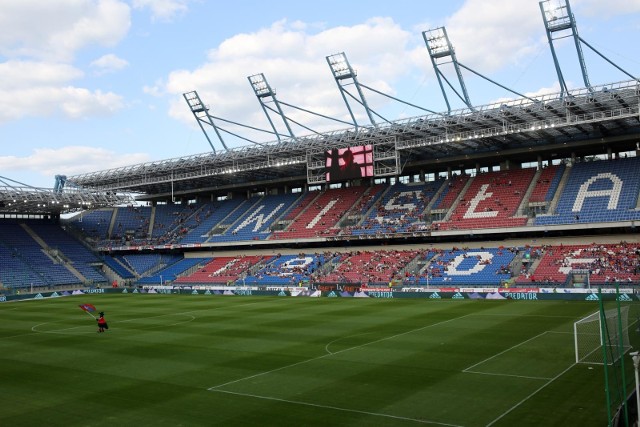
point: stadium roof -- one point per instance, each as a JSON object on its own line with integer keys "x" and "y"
{"x": 16, "y": 200}
{"x": 597, "y": 115}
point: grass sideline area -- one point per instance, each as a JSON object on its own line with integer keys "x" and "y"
{"x": 183, "y": 360}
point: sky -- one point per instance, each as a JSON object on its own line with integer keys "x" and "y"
{"x": 89, "y": 85}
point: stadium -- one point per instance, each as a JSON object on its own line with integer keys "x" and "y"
{"x": 434, "y": 270}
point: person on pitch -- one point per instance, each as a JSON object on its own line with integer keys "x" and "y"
{"x": 102, "y": 323}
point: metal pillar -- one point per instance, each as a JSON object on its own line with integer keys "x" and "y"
{"x": 441, "y": 51}
{"x": 264, "y": 93}
{"x": 344, "y": 75}
{"x": 558, "y": 18}
{"x": 201, "y": 113}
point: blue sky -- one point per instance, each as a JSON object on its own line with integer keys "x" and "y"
{"x": 87, "y": 85}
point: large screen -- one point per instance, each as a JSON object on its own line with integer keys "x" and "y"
{"x": 342, "y": 164}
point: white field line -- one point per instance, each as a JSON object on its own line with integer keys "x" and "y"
{"x": 544, "y": 316}
{"x": 503, "y": 352}
{"x": 334, "y": 353}
{"x": 337, "y": 408}
{"x": 549, "y": 380}
{"x": 495, "y": 374}
{"x": 470, "y": 371}
{"x": 326, "y": 347}
{"x": 530, "y": 396}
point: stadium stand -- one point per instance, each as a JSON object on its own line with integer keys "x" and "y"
{"x": 44, "y": 254}
{"x": 491, "y": 201}
{"x": 223, "y": 270}
{"x": 93, "y": 224}
{"x": 369, "y": 267}
{"x": 402, "y": 209}
{"x": 320, "y": 217}
{"x": 472, "y": 267}
{"x": 66, "y": 247}
{"x": 37, "y": 262}
{"x": 171, "y": 269}
{"x": 454, "y": 187}
{"x": 255, "y": 221}
{"x": 286, "y": 270}
{"x": 599, "y": 191}
{"x": 606, "y": 264}
{"x": 547, "y": 184}
{"x": 212, "y": 215}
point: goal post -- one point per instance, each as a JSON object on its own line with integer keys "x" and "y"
{"x": 599, "y": 336}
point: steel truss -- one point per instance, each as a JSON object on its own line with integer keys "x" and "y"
{"x": 611, "y": 109}
{"x": 41, "y": 201}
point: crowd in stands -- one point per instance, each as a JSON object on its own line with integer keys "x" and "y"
{"x": 605, "y": 263}
{"x": 369, "y": 267}
{"x": 592, "y": 192}
{"x": 553, "y": 265}
{"x": 588, "y": 192}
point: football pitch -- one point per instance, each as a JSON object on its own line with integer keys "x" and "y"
{"x": 197, "y": 360}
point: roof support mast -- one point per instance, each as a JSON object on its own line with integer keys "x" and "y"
{"x": 558, "y": 18}
{"x": 344, "y": 75}
{"x": 263, "y": 90}
{"x": 440, "y": 47}
{"x": 201, "y": 113}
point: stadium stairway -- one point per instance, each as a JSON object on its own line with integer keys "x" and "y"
{"x": 362, "y": 208}
{"x": 215, "y": 215}
{"x": 58, "y": 258}
{"x": 436, "y": 196}
{"x": 527, "y": 195}
{"x": 455, "y": 202}
{"x": 561, "y": 185}
{"x": 294, "y": 215}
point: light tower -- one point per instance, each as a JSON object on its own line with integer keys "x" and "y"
{"x": 344, "y": 75}
{"x": 442, "y": 52}
{"x": 201, "y": 113}
{"x": 558, "y": 18}
{"x": 265, "y": 94}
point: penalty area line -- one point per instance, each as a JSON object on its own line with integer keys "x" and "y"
{"x": 335, "y": 408}
{"x": 530, "y": 396}
{"x": 507, "y": 375}
{"x": 468, "y": 369}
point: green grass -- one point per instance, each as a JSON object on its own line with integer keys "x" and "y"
{"x": 196, "y": 360}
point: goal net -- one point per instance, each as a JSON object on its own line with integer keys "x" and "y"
{"x": 599, "y": 332}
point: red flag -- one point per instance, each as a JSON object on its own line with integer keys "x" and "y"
{"x": 88, "y": 307}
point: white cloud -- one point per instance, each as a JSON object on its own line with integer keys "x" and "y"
{"x": 56, "y": 30}
{"x": 293, "y": 62}
{"x": 109, "y": 63}
{"x": 605, "y": 9}
{"x": 70, "y": 160}
{"x": 155, "y": 90}
{"x": 29, "y": 88}
{"x": 163, "y": 10}
{"x": 489, "y": 34}
{"x": 25, "y": 74}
